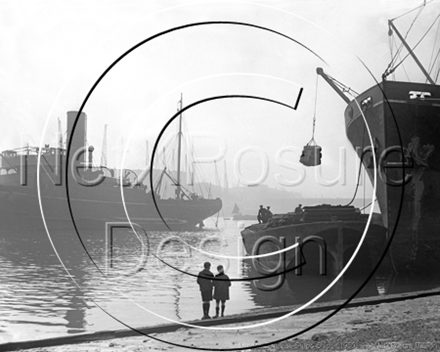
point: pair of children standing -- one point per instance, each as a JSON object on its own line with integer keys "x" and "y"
{"x": 220, "y": 283}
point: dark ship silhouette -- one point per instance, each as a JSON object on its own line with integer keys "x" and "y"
{"x": 96, "y": 194}
{"x": 403, "y": 119}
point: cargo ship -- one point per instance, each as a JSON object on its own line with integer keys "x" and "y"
{"x": 404, "y": 121}
{"x": 89, "y": 196}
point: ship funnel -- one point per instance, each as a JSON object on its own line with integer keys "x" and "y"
{"x": 77, "y": 138}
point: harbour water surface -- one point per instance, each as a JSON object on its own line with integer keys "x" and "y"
{"x": 62, "y": 284}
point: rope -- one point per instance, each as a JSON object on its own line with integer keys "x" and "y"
{"x": 433, "y": 50}
{"x": 418, "y": 42}
{"x": 438, "y": 72}
{"x": 418, "y": 7}
{"x": 399, "y": 48}
{"x": 374, "y": 201}
{"x": 390, "y": 45}
{"x": 414, "y": 20}
{"x": 343, "y": 87}
{"x": 357, "y": 184}
{"x": 435, "y": 59}
{"x": 359, "y": 173}
{"x": 390, "y": 69}
{"x": 404, "y": 69}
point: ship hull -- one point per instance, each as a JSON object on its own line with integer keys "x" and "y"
{"x": 243, "y": 217}
{"x": 404, "y": 120}
{"x": 47, "y": 184}
{"x": 334, "y": 243}
{"x": 93, "y": 207}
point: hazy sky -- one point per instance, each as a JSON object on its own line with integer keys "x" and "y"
{"x": 52, "y": 52}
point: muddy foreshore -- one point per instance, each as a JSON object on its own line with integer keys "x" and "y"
{"x": 370, "y": 325}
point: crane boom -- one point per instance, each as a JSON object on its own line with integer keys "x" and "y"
{"x": 335, "y": 85}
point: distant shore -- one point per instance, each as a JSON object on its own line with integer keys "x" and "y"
{"x": 403, "y": 325}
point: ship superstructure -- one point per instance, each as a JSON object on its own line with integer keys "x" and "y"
{"x": 96, "y": 194}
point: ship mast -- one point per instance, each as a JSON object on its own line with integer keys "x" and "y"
{"x": 104, "y": 147}
{"x": 60, "y": 135}
{"x": 179, "y": 150}
{"x": 410, "y": 51}
{"x": 226, "y": 175}
{"x": 217, "y": 177}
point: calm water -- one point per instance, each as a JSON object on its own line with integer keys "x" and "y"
{"x": 42, "y": 297}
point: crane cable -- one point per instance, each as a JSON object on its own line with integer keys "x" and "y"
{"x": 433, "y": 60}
{"x": 399, "y": 48}
{"x": 418, "y": 7}
{"x": 312, "y": 141}
{"x": 423, "y": 37}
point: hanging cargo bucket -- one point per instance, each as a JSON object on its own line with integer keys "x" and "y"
{"x": 311, "y": 155}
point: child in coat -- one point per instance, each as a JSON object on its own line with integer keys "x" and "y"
{"x": 221, "y": 290}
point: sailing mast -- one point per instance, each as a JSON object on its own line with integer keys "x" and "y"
{"x": 225, "y": 176}
{"x": 217, "y": 177}
{"x": 179, "y": 150}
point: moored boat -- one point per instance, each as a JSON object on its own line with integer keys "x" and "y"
{"x": 335, "y": 231}
{"x": 403, "y": 120}
{"x": 90, "y": 196}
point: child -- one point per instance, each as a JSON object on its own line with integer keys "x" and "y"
{"x": 204, "y": 279}
{"x": 221, "y": 290}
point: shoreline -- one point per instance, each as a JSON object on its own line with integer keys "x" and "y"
{"x": 239, "y": 333}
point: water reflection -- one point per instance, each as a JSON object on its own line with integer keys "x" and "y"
{"x": 36, "y": 293}
{"x": 40, "y": 299}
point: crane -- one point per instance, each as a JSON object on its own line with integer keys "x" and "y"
{"x": 311, "y": 154}
{"x": 338, "y": 87}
